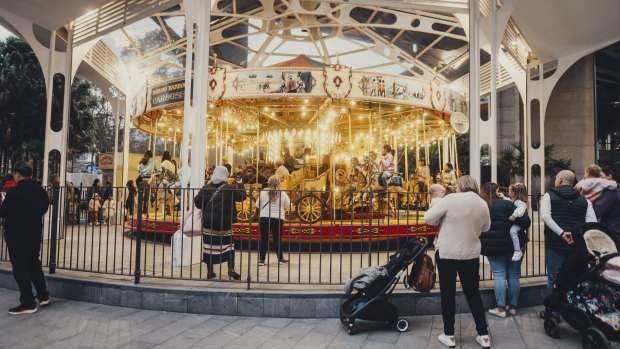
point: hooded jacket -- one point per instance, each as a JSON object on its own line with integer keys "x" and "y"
{"x": 23, "y": 209}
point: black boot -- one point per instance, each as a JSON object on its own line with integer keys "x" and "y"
{"x": 210, "y": 273}
{"x": 233, "y": 274}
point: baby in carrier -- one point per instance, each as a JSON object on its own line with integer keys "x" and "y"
{"x": 517, "y": 193}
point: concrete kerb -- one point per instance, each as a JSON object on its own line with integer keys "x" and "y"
{"x": 295, "y": 304}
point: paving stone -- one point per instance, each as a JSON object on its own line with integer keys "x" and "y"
{"x": 276, "y": 307}
{"x": 111, "y": 296}
{"x": 132, "y": 299}
{"x": 327, "y": 307}
{"x": 202, "y": 304}
{"x": 249, "y": 306}
{"x": 175, "y": 302}
{"x": 302, "y": 308}
{"x": 225, "y": 304}
{"x": 427, "y": 305}
{"x": 152, "y": 301}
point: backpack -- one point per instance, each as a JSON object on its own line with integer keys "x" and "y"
{"x": 422, "y": 277}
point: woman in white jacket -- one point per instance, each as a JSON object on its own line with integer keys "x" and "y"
{"x": 461, "y": 217}
{"x": 271, "y": 203}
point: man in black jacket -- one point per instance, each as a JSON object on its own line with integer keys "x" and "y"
{"x": 22, "y": 215}
{"x": 562, "y": 209}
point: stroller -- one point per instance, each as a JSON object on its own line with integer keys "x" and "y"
{"x": 587, "y": 287}
{"x": 371, "y": 302}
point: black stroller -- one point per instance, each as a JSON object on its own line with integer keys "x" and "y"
{"x": 579, "y": 287}
{"x": 371, "y": 303}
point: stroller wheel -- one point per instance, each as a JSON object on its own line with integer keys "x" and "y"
{"x": 592, "y": 338}
{"x": 402, "y": 325}
{"x": 552, "y": 328}
{"x": 351, "y": 326}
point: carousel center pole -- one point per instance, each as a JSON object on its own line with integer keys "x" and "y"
{"x": 257, "y": 144}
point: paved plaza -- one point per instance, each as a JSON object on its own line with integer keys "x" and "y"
{"x": 69, "y": 324}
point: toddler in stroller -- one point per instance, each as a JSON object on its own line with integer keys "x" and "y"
{"x": 586, "y": 291}
{"x": 375, "y": 284}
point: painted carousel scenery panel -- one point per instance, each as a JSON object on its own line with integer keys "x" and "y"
{"x": 273, "y": 82}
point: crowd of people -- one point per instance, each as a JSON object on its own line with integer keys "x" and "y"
{"x": 495, "y": 226}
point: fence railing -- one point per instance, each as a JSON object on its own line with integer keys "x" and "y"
{"x": 326, "y": 236}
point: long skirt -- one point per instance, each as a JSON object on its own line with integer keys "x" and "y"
{"x": 218, "y": 247}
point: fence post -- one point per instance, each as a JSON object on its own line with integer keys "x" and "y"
{"x": 54, "y": 232}
{"x": 138, "y": 233}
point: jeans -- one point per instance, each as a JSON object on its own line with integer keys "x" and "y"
{"x": 503, "y": 269}
{"x": 383, "y": 179}
{"x": 553, "y": 259}
{"x": 27, "y": 272}
{"x": 265, "y": 225}
{"x": 468, "y": 271}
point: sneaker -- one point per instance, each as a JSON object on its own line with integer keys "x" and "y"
{"x": 497, "y": 312}
{"x": 484, "y": 341}
{"x": 448, "y": 341}
{"x": 516, "y": 256}
{"x": 20, "y": 309}
{"x": 512, "y": 310}
{"x": 45, "y": 302}
{"x": 283, "y": 261}
{"x": 261, "y": 263}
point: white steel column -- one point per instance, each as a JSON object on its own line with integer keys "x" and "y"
{"x": 493, "y": 100}
{"x": 200, "y": 88}
{"x": 187, "y": 109}
{"x": 126, "y": 126}
{"x": 474, "y": 89}
{"x": 114, "y": 161}
{"x": 66, "y": 109}
{"x": 48, "y": 109}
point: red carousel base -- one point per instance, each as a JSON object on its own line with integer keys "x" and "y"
{"x": 322, "y": 231}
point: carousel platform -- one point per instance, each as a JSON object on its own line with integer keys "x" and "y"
{"x": 345, "y": 228}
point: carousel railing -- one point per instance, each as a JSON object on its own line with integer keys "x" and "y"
{"x": 328, "y": 236}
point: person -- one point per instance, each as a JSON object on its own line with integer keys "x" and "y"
{"x": 387, "y": 166}
{"x": 448, "y": 178}
{"x": 562, "y": 210}
{"x": 458, "y": 251}
{"x": 272, "y": 202}
{"x": 147, "y": 166}
{"x": 593, "y": 184}
{"x": 517, "y": 193}
{"x": 437, "y": 192}
{"x": 22, "y": 214}
{"x": 106, "y": 200}
{"x": 130, "y": 200}
{"x": 93, "y": 195}
{"x": 281, "y": 171}
{"x": 217, "y": 202}
{"x": 424, "y": 174}
{"x": 497, "y": 246}
{"x": 168, "y": 167}
{"x": 607, "y": 207}
{"x": 608, "y": 173}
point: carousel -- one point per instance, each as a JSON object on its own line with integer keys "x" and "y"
{"x": 326, "y": 125}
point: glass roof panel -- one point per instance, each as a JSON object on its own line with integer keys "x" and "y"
{"x": 297, "y": 48}
{"x": 177, "y": 24}
{"x": 169, "y": 72}
{"x": 120, "y": 45}
{"x": 394, "y": 69}
{"x": 147, "y": 34}
{"x": 362, "y": 59}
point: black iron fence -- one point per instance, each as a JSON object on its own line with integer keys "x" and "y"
{"x": 326, "y": 237}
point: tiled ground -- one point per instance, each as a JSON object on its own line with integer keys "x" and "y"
{"x": 70, "y": 324}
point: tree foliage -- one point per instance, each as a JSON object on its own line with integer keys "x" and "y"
{"x": 511, "y": 163}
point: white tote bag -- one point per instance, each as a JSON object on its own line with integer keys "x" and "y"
{"x": 185, "y": 250}
{"x": 192, "y": 222}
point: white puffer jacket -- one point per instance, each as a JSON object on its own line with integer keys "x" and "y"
{"x": 274, "y": 209}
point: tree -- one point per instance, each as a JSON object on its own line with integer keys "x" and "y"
{"x": 511, "y": 163}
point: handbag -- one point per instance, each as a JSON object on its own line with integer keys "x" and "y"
{"x": 422, "y": 278}
{"x": 192, "y": 222}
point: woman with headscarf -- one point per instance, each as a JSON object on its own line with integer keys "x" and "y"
{"x": 217, "y": 202}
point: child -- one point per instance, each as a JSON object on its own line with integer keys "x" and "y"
{"x": 437, "y": 192}
{"x": 518, "y": 195}
{"x": 592, "y": 185}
